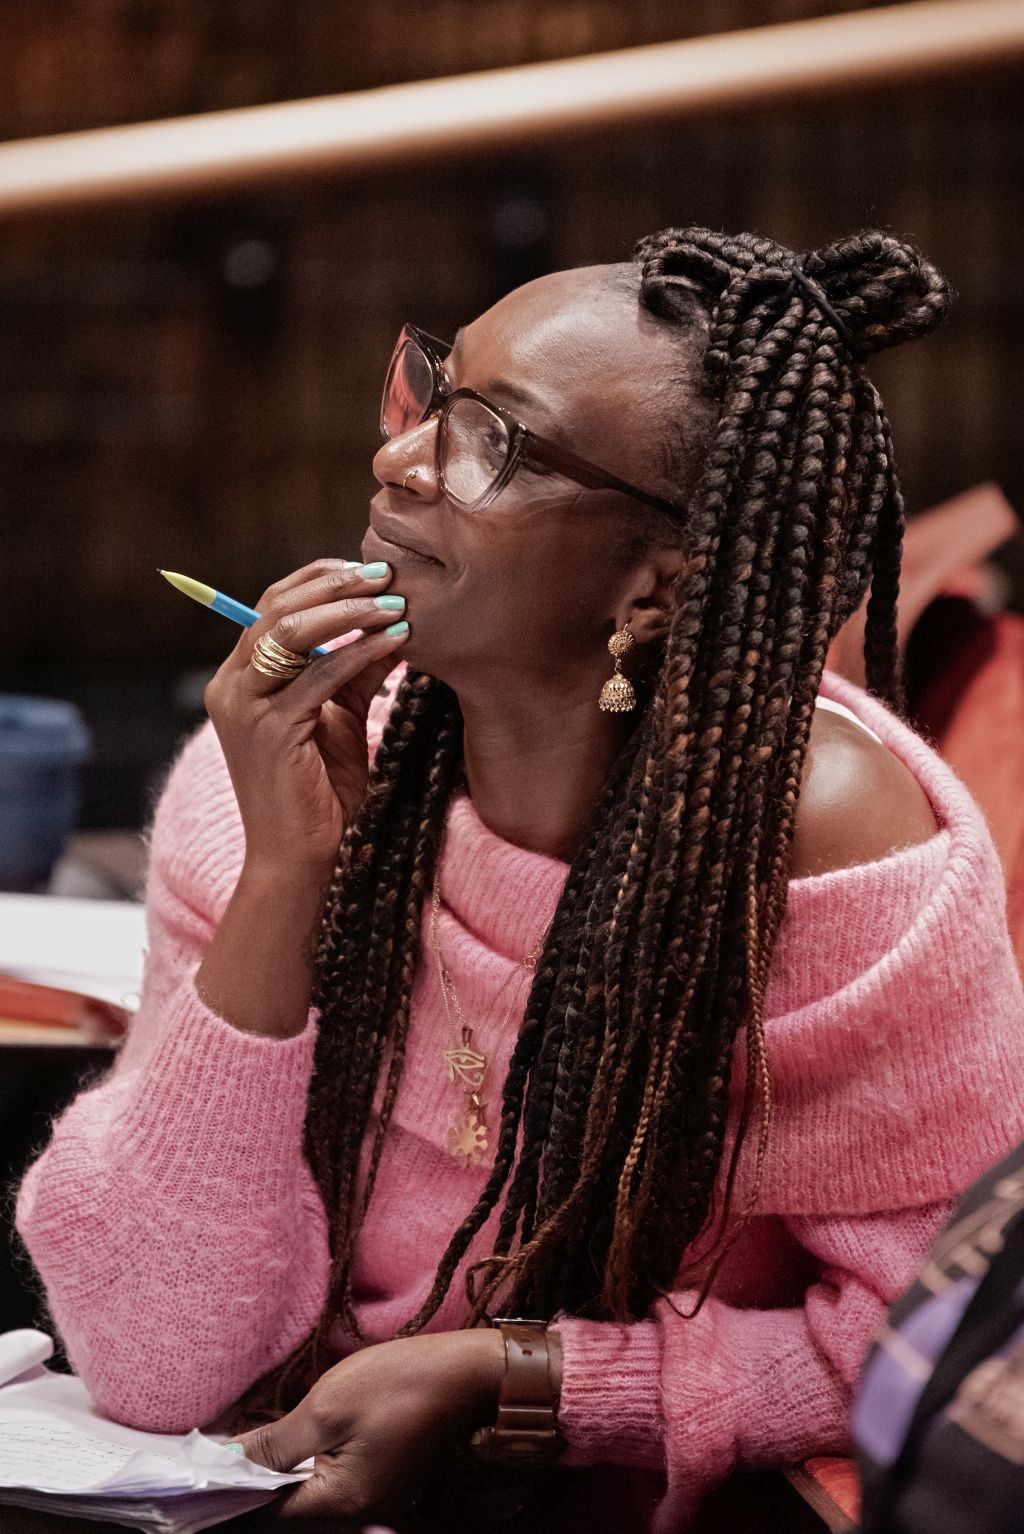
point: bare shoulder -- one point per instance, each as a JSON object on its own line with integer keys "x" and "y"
{"x": 858, "y": 802}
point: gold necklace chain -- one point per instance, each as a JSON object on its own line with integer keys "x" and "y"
{"x": 468, "y": 1136}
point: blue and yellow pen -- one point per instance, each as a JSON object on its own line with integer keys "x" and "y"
{"x": 219, "y": 603}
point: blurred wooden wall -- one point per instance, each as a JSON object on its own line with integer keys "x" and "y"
{"x": 196, "y": 387}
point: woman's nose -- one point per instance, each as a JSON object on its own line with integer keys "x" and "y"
{"x": 409, "y": 461}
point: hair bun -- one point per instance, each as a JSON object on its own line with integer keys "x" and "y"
{"x": 883, "y": 289}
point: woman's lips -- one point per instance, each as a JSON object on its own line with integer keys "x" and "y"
{"x": 376, "y": 545}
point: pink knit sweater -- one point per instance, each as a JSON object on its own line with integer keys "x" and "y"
{"x": 182, "y": 1241}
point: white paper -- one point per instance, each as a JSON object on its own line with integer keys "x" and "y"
{"x": 53, "y": 1456}
{"x": 52, "y": 1440}
{"x": 99, "y": 945}
{"x": 185, "y": 1514}
{"x": 22, "y": 1350}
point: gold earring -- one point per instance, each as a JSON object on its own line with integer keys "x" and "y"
{"x": 617, "y": 695}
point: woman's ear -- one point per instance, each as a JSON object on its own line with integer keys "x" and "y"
{"x": 652, "y": 594}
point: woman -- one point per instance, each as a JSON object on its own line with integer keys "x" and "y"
{"x": 497, "y": 1078}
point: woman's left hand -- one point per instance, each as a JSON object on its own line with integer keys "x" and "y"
{"x": 380, "y": 1420}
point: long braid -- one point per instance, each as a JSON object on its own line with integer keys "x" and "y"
{"x": 727, "y": 742}
{"x": 612, "y": 1150}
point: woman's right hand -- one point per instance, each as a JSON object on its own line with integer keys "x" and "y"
{"x": 296, "y": 749}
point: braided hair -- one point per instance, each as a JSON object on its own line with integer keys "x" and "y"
{"x": 613, "y": 1133}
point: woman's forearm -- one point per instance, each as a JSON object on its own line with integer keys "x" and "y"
{"x": 257, "y": 972}
{"x": 180, "y": 1180}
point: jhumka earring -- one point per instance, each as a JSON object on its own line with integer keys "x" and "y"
{"x": 617, "y": 695}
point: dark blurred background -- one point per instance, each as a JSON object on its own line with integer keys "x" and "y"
{"x": 196, "y": 386}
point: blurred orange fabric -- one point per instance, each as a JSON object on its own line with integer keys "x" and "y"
{"x": 969, "y": 664}
{"x": 975, "y": 712}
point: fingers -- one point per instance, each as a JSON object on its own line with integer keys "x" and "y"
{"x": 283, "y": 1444}
{"x": 301, "y": 613}
{"x": 326, "y": 1495}
{"x": 332, "y": 574}
{"x": 319, "y": 569}
{"x": 368, "y": 682}
{"x": 293, "y": 1438}
{"x": 305, "y": 627}
{"x": 327, "y": 674}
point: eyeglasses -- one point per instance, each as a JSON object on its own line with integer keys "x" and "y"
{"x": 479, "y": 446}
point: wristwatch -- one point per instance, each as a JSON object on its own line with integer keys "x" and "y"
{"x": 527, "y": 1427}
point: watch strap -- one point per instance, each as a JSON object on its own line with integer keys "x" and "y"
{"x": 527, "y": 1426}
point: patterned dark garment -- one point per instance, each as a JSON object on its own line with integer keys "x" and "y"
{"x": 939, "y": 1415}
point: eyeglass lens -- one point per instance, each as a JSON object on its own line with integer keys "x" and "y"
{"x": 474, "y": 441}
{"x": 474, "y": 449}
{"x": 408, "y": 391}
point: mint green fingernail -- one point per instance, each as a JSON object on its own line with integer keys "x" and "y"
{"x": 390, "y": 604}
{"x": 394, "y": 629}
{"x": 235, "y": 1448}
{"x": 373, "y": 572}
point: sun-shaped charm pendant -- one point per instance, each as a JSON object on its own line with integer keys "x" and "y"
{"x": 467, "y": 1140}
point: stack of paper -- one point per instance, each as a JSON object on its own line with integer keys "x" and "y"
{"x": 57, "y": 1453}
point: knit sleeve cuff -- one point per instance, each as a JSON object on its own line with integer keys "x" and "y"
{"x": 610, "y": 1404}
{"x": 214, "y": 1105}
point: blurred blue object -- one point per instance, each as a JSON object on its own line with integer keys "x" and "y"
{"x": 43, "y": 745}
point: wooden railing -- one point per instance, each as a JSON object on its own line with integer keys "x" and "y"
{"x": 500, "y": 109}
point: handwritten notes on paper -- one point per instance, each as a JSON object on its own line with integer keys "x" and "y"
{"x": 57, "y": 1451}
{"x": 36, "y": 1451}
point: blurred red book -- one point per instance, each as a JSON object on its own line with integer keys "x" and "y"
{"x": 36, "y": 1013}
{"x": 70, "y": 970}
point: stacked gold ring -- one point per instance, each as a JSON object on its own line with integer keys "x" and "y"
{"x": 272, "y": 659}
